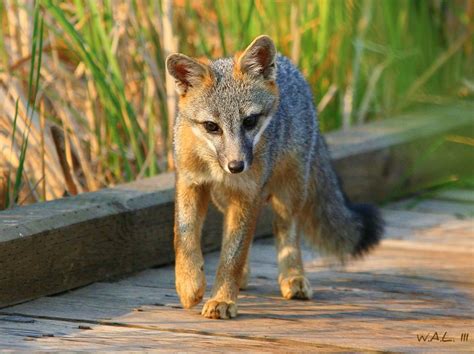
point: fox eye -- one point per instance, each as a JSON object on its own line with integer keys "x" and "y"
{"x": 250, "y": 122}
{"x": 212, "y": 127}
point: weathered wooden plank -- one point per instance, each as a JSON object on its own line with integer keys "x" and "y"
{"x": 33, "y": 334}
{"x": 349, "y": 326}
{"x": 115, "y": 338}
{"x": 156, "y": 286}
{"x": 126, "y": 338}
{"x": 417, "y": 283}
{"x": 380, "y": 303}
{"x": 357, "y": 303}
{"x": 51, "y": 247}
{"x": 390, "y": 292}
{"x": 27, "y": 333}
{"x": 458, "y": 209}
{"x": 268, "y": 319}
{"x": 452, "y": 235}
{"x": 459, "y": 195}
{"x": 411, "y": 219}
{"x": 383, "y": 310}
{"x": 402, "y": 129}
{"x": 123, "y": 239}
{"x": 164, "y": 277}
{"x": 403, "y": 154}
{"x": 76, "y": 241}
{"x": 19, "y": 332}
{"x": 420, "y": 262}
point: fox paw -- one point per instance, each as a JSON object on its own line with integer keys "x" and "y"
{"x": 296, "y": 287}
{"x": 190, "y": 286}
{"x": 217, "y": 309}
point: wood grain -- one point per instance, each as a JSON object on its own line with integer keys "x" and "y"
{"x": 417, "y": 283}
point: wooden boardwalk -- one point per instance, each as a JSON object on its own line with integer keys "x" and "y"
{"x": 419, "y": 282}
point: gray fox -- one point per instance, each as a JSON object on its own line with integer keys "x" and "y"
{"x": 247, "y": 134}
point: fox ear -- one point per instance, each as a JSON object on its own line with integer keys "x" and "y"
{"x": 259, "y": 58}
{"x": 186, "y": 71}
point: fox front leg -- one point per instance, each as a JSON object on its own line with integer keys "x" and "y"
{"x": 239, "y": 226}
{"x": 191, "y": 208}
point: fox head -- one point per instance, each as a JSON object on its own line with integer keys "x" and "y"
{"x": 228, "y": 102}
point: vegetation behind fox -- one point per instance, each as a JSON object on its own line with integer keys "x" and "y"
{"x": 247, "y": 134}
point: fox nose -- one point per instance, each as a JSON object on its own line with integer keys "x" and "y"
{"x": 236, "y": 166}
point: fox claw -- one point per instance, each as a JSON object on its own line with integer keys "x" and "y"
{"x": 216, "y": 309}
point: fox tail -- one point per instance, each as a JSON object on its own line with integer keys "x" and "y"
{"x": 342, "y": 228}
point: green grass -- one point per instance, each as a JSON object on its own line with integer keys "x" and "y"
{"x": 97, "y": 68}
{"x": 14, "y": 184}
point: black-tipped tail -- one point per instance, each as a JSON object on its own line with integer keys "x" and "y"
{"x": 372, "y": 227}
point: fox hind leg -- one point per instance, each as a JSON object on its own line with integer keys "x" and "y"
{"x": 244, "y": 279}
{"x": 293, "y": 283}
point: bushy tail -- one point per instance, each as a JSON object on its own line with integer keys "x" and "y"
{"x": 371, "y": 227}
{"x": 341, "y": 228}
